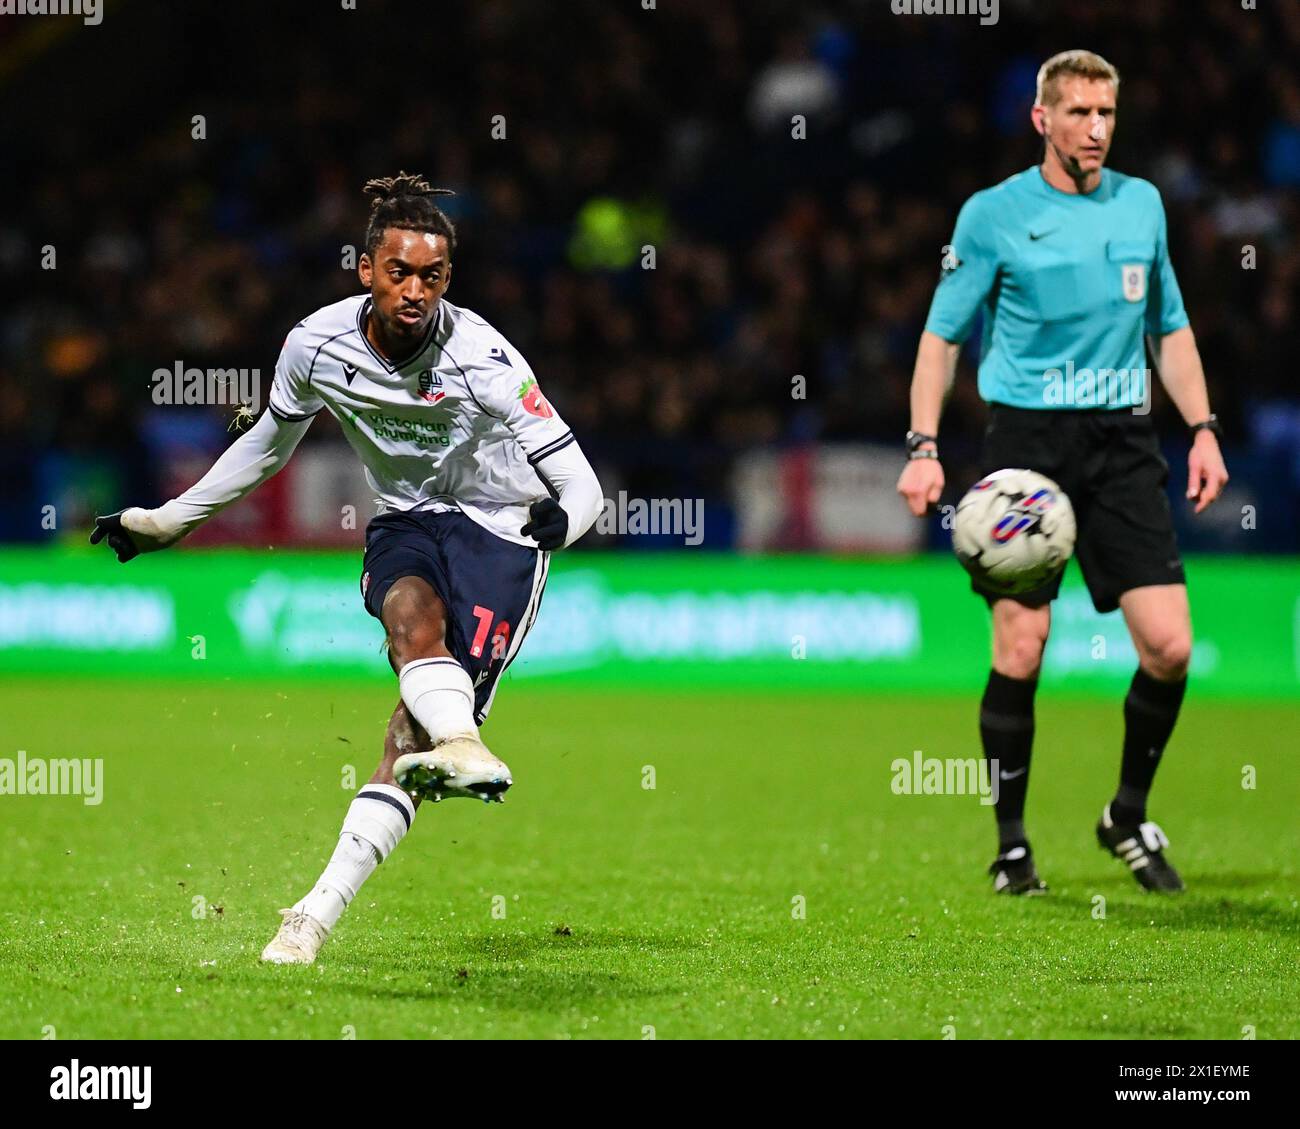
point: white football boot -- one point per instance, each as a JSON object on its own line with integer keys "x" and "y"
{"x": 459, "y": 766}
{"x": 297, "y": 941}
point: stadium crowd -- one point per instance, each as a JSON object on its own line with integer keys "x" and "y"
{"x": 623, "y": 128}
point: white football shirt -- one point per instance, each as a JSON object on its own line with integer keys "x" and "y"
{"x": 459, "y": 424}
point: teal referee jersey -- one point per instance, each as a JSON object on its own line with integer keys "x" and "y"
{"x": 1068, "y": 285}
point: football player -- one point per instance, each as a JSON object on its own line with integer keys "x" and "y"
{"x": 478, "y": 480}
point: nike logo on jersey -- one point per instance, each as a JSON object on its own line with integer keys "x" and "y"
{"x": 349, "y": 372}
{"x": 1012, "y": 775}
{"x": 499, "y": 355}
{"x": 1042, "y": 234}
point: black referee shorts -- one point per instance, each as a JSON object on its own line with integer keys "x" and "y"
{"x": 1110, "y": 465}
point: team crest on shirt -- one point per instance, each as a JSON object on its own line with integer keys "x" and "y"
{"x": 1135, "y": 281}
{"x": 533, "y": 401}
{"x": 429, "y": 381}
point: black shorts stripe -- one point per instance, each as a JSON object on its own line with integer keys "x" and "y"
{"x": 384, "y": 797}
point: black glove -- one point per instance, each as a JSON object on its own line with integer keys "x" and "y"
{"x": 549, "y": 525}
{"x": 119, "y": 540}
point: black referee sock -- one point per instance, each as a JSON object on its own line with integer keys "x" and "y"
{"x": 1150, "y": 711}
{"x": 1007, "y": 731}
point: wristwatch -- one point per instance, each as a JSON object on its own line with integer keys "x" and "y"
{"x": 1210, "y": 424}
{"x": 914, "y": 441}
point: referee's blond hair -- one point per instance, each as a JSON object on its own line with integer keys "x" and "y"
{"x": 1083, "y": 64}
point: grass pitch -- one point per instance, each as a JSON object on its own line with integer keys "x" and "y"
{"x": 770, "y": 884}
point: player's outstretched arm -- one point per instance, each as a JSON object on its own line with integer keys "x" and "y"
{"x": 556, "y": 523}
{"x": 921, "y": 482}
{"x": 1183, "y": 376}
{"x": 248, "y": 462}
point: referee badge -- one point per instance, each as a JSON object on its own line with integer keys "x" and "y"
{"x": 1135, "y": 281}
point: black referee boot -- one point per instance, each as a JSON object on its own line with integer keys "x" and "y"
{"x": 1141, "y": 846}
{"x": 1013, "y": 872}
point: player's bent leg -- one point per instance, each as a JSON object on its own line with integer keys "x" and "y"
{"x": 439, "y": 694}
{"x": 415, "y": 620}
{"x": 376, "y": 822}
{"x": 369, "y": 835}
{"x": 1007, "y": 734}
{"x": 1160, "y": 624}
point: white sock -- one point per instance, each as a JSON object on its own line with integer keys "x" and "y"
{"x": 440, "y": 696}
{"x": 376, "y": 821}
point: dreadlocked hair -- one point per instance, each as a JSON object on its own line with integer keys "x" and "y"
{"x": 406, "y": 201}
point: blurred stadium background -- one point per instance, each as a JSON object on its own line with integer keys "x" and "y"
{"x": 248, "y": 690}
{"x": 774, "y": 259}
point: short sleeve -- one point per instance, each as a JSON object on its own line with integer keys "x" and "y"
{"x": 291, "y": 396}
{"x": 970, "y": 269}
{"x": 1165, "y": 311}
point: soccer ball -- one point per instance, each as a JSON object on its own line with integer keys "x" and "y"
{"x": 1014, "y": 531}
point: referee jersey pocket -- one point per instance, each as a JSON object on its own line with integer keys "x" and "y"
{"x": 1056, "y": 289}
{"x": 1128, "y": 265}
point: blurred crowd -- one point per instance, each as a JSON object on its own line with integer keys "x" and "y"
{"x": 774, "y": 256}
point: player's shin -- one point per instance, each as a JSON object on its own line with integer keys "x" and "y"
{"x": 1007, "y": 733}
{"x": 1150, "y": 713}
{"x": 375, "y": 823}
{"x": 440, "y": 696}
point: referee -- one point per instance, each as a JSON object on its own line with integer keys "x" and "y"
{"x": 1069, "y": 264}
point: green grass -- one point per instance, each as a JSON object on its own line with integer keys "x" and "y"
{"x": 628, "y": 908}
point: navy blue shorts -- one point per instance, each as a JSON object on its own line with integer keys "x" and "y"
{"x": 491, "y": 587}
